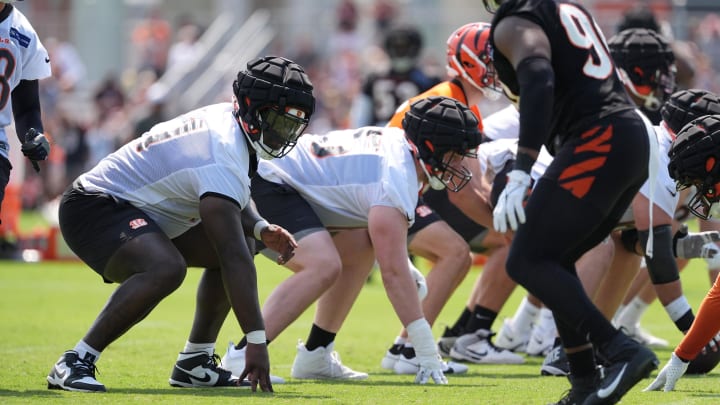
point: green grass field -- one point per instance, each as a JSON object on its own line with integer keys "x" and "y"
{"x": 45, "y": 308}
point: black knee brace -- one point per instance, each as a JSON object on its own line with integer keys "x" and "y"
{"x": 661, "y": 267}
{"x": 629, "y": 239}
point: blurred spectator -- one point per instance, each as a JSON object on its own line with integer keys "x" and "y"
{"x": 347, "y": 15}
{"x": 151, "y": 40}
{"x": 186, "y": 50}
{"x": 709, "y": 38}
{"x": 109, "y": 96}
{"x": 68, "y": 68}
{"x": 384, "y": 13}
{"x": 156, "y": 97}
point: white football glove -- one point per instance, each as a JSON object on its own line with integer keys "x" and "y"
{"x": 669, "y": 375}
{"x": 713, "y": 262}
{"x": 430, "y": 367}
{"x": 697, "y": 244}
{"x": 420, "y": 282}
{"x": 509, "y": 208}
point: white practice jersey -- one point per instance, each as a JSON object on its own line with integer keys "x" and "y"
{"x": 167, "y": 170}
{"x": 666, "y": 195}
{"x": 343, "y": 174}
{"x": 495, "y": 154}
{"x": 503, "y": 124}
{"x": 22, "y": 57}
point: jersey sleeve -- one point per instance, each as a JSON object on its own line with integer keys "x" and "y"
{"x": 223, "y": 180}
{"x": 36, "y": 62}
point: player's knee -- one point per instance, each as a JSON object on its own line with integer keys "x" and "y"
{"x": 629, "y": 239}
{"x": 326, "y": 267}
{"x": 662, "y": 267}
{"x": 517, "y": 267}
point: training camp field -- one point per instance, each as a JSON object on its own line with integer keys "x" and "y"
{"x": 45, "y": 308}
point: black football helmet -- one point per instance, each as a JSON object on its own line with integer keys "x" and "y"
{"x": 646, "y": 65}
{"x": 444, "y": 131}
{"x": 274, "y": 104}
{"x": 403, "y": 46}
{"x": 686, "y": 105}
{"x": 695, "y": 161}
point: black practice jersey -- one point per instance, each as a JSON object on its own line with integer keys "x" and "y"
{"x": 587, "y": 86}
{"x": 389, "y": 90}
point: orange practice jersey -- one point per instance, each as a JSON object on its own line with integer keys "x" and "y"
{"x": 447, "y": 89}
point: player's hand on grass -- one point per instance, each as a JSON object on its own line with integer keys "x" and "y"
{"x": 669, "y": 375}
{"x": 280, "y": 240}
{"x": 257, "y": 367}
{"x": 430, "y": 368}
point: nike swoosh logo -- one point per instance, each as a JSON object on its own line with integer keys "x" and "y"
{"x": 198, "y": 374}
{"x": 607, "y": 391}
{"x": 671, "y": 191}
{"x": 47, "y": 60}
{"x": 479, "y": 354}
{"x": 60, "y": 373}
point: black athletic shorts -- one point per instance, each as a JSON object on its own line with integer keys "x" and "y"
{"x": 424, "y": 216}
{"x": 282, "y": 205}
{"x": 95, "y": 225}
{"x": 433, "y": 206}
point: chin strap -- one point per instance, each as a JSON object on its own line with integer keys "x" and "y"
{"x": 433, "y": 181}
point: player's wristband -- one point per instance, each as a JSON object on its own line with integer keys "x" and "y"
{"x": 524, "y": 162}
{"x": 256, "y": 337}
{"x": 259, "y": 226}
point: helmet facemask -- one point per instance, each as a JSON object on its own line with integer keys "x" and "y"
{"x": 278, "y": 132}
{"x": 448, "y": 172}
{"x": 654, "y": 89}
{"x": 274, "y": 104}
{"x": 701, "y": 203}
{"x": 646, "y": 65}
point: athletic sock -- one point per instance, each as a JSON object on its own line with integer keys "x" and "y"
{"x": 319, "y": 337}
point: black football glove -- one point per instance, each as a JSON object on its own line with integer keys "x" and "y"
{"x": 36, "y": 147}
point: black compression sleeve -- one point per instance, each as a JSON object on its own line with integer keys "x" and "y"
{"x": 536, "y": 78}
{"x": 26, "y": 108}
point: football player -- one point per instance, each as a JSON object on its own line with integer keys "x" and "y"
{"x": 179, "y": 197}
{"x": 359, "y": 178}
{"x": 442, "y": 224}
{"x": 693, "y": 162}
{"x": 573, "y": 102}
{"x": 382, "y": 92}
{"x": 25, "y": 61}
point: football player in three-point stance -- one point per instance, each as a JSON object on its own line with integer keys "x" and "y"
{"x": 179, "y": 197}
{"x": 368, "y": 179}
{"x": 446, "y": 219}
{"x": 694, "y": 157}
